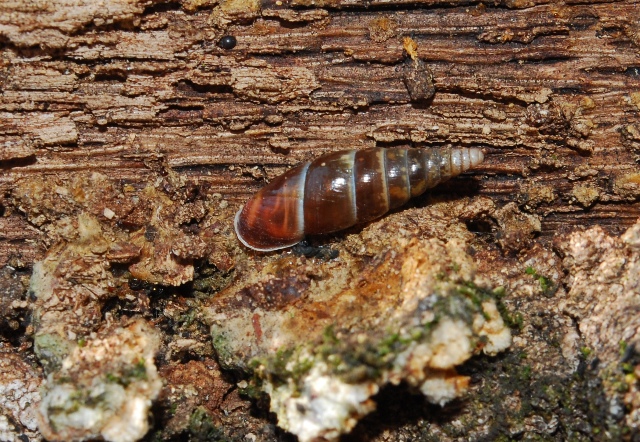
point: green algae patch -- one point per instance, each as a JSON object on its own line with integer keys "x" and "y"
{"x": 51, "y": 350}
{"x": 547, "y": 285}
{"x": 202, "y": 428}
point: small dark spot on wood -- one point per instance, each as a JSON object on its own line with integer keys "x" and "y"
{"x": 227, "y": 42}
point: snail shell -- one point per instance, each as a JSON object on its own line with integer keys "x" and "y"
{"x": 341, "y": 189}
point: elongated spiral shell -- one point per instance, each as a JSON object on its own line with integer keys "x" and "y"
{"x": 341, "y": 189}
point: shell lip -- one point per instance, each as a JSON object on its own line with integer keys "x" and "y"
{"x": 236, "y": 221}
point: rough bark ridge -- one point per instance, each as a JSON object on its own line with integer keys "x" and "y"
{"x": 128, "y": 139}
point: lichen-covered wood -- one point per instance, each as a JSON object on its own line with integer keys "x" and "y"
{"x": 549, "y": 90}
{"x": 129, "y": 137}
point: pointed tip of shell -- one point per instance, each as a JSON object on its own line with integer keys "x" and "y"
{"x": 475, "y": 156}
{"x": 464, "y": 159}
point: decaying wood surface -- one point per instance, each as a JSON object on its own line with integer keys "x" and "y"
{"x": 139, "y": 92}
{"x": 551, "y": 91}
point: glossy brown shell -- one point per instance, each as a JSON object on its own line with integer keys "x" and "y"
{"x": 341, "y": 189}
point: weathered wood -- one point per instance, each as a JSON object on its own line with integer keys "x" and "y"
{"x": 139, "y": 92}
{"x": 546, "y": 81}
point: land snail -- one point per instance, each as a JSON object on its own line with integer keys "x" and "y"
{"x": 342, "y": 189}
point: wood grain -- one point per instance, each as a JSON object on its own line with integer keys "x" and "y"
{"x": 550, "y": 91}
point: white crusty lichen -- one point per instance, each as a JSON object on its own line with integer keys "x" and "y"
{"x": 416, "y": 330}
{"x": 324, "y": 405}
{"x": 104, "y": 387}
{"x": 19, "y": 394}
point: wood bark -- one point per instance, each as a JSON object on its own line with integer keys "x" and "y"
{"x": 138, "y": 90}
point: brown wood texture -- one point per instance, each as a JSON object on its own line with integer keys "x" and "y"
{"x": 550, "y": 90}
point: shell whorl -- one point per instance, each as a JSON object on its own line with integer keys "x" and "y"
{"x": 341, "y": 189}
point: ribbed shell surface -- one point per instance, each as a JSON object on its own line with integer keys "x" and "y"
{"x": 341, "y": 189}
